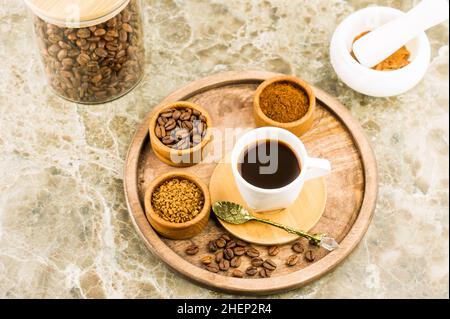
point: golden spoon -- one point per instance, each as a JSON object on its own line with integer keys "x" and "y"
{"x": 236, "y": 214}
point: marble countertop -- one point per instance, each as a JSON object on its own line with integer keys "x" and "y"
{"x": 64, "y": 226}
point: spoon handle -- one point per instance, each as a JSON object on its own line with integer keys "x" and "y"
{"x": 316, "y": 239}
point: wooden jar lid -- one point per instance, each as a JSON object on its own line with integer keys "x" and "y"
{"x": 76, "y": 13}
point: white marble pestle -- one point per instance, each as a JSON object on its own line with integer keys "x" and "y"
{"x": 380, "y": 43}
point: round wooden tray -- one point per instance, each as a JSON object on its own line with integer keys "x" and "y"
{"x": 335, "y": 135}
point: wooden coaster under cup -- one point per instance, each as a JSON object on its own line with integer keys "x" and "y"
{"x": 303, "y": 214}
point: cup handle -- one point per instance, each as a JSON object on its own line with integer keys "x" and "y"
{"x": 317, "y": 167}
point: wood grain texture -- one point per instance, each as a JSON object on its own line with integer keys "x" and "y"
{"x": 303, "y": 214}
{"x": 352, "y": 186}
{"x": 77, "y": 10}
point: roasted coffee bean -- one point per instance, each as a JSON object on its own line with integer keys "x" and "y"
{"x": 298, "y": 247}
{"x": 158, "y": 131}
{"x": 219, "y": 256}
{"x": 162, "y": 121}
{"x": 127, "y": 27}
{"x": 83, "y": 33}
{"x": 212, "y": 246}
{"x": 172, "y": 120}
{"x": 167, "y": 114}
{"x": 237, "y": 273}
{"x": 116, "y": 45}
{"x": 251, "y": 271}
{"x": 228, "y": 253}
{"x": 220, "y": 243}
{"x": 185, "y": 116}
{"x": 206, "y": 260}
{"x": 224, "y": 265}
{"x": 188, "y": 125}
{"x": 273, "y": 250}
{"x": 99, "y": 32}
{"x": 235, "y": 262}
{"x": 225, "y": 237}
{"x": 212, "y": 268}
{"x": 265, "y": 273}
{"x": 239, "y": 251}
{"x": 192, "y": 250}
{"x": 170, "y": 125}
{"x": 269, "y": 264}
{"x": 168, "y": 140}
{"x": 310, "y": 256}
{"x": 83, "y": 59}
{"x": 176, "y": 115}
{"x": 292, "y": 260}
{"x": 231, "y": 244}
{"x": 241, "y": 243}
{"x": 257, "y": 261}
{"x": 252, "y": 252}
{"x": 101, "y": 52}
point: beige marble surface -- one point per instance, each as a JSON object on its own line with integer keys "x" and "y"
{"x": 64, "y": 226}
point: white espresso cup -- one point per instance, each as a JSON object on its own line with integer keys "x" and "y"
{"x": 261, "y": 199}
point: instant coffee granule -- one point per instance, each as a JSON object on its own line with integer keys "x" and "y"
{"x": 178, "y": 200}
{"x": 284, "y": 102}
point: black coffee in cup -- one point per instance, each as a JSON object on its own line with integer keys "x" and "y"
{"x": 269, "y": 164}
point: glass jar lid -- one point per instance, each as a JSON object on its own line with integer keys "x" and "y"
{"x": 76, "y": 13}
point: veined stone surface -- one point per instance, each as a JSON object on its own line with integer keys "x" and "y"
{"x": 64, "y": 226}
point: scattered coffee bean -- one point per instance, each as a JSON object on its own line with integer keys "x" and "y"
{"x": 224, "y": 265}
{"x": 206, "y": 260}
{"x": 192, "y": 250}
{"x": 252, "y": 252}
{"x": 95, "y": 64}
{"x": 292, "y": 260}
{"x": 251, "y": 271}
{"x": 269, "y": 264}
{"x": 228, "y": 253}
{"x": 241, "y": 243}
{"x": 231, "y": 244}
{"x": 310, "y": 256}
{"x": 221, "y": 243}
{"x": 239, "y": 251}
{"x": 235, "y": 262}
{"x": 212, "y": 268}
{"x": 219, "y": 256}
{"x": 265, "y": 273}
{"x": 237, "y": 273}
{"x": 298, "y": 247}
{"x": 212, "y": 247}
{"x": 274, "y": 250}
{"x": 183, "y": 129}
{"x": 226, "y": 237}
{"x": 257, "y": 261}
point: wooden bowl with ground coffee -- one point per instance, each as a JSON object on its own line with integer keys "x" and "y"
{"x": 179, "y": 133}
{"x": 285, "y": 102}
{"x": 177, "y": 205}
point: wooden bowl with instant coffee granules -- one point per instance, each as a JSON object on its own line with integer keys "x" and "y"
{"x": 179, "y": 133}
{"x": 177, "y": 205}
{"x": 286, "y": 102}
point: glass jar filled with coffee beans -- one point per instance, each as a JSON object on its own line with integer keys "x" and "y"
{"x": 92, "y": 51}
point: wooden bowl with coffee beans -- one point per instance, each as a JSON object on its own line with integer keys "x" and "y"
{"x": 177, "y": 205}
{"x": 179, "y": 133}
